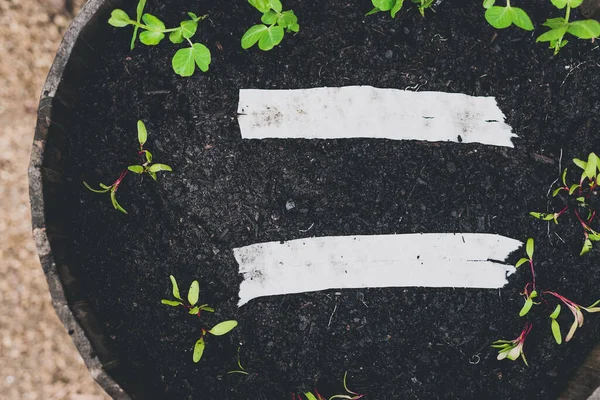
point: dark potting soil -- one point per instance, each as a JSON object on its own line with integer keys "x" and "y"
{"x": 396, "y": 343}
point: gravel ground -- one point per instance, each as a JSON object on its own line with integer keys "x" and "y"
{"x": 37, "y": 358}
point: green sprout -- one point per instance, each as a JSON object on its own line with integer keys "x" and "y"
{"x": 145, "y": 167}
{"x": 217, "y": 330}
{"x": 559, "y": 27}
{"x": 581, "y": 192}
{"x": 554, "y": 326}
{"x": 513, "y": 349}
{"x": 577, "y": 316}
{"x": 530, "y": 291}
{"x": 503, "y": 17}
{"x": 184, "y": 61}
{"x": 393, "y": 6}
{"x": 192, "y": 298}
{"x": 275, "y": 23}
{"x": 423, "y": 5}
{"x": 241, "y": 369}
{"x": 349, "y": 395}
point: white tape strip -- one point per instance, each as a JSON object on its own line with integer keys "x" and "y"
{"x": 368, "y": 112}
{"x": 467, "y": 260}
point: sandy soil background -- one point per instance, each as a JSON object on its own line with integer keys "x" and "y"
{"x": 37, "y": 358}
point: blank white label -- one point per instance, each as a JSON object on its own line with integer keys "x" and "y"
{"x": 368, "y": 112}
{"x": 465, "y": 260}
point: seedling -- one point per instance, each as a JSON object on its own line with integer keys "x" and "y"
{"x": 512, "y": 349}
{"x": 581, "y": 192}
{"x": 146, "y": 167}
{"x": 393, "y": 6}
{"x": 503, "y": 17}
{"x": 530, "y": 291}
{"x": 241, "y": 369}
{"x": 217, "y": 330}
{"x": 577, "y": 316}
{"x": 349, "y": 395}
{"x": 275, "y": 22}
{"x": 559, "y": 27}
{"x": 192, "y": 298}
{"x": 184, "y": 61}
{"x": 423, "y": 5}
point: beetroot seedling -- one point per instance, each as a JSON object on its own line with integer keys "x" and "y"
{"x": 145, "y": 167}
{"x": 184, "y": 61}
{"x": 218, "y": 330}
{"x": 192, "y": 298}
{"x": 578, "y": 199}
{"x": 577, "y": 316}
{"x": 349, "y": 395}
{"x": 530, "y": 291}
{"x": 513, "y": 349}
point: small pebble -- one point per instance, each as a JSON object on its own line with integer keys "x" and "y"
{"x": 389, "y": 54}
{"x": 290, "y": 205}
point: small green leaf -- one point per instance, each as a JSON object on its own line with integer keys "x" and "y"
{"x": 592, "y": 163}
{"x": 260, "y": 5}
{"x": 103, "y": 186}
{"x": 526, "y": 307}
{"x": 529, "y": 248}
{"x": 556, "y": 191}
{"x": 172, "y": 303}
{"x": 520, "y": 18}
{"x": 270, "y": 17}
{"x": 151, "y": 38}
{"x": 194, "y": 310}
{"x": 594, "y": 237}
{"x": 193, "y": 293}
{"x": 275, "y": 5}
{"x": 104, "y": 190}
{"x": 271, "y": 38}
{"x": 189, "y": 28}
{"x": 560, "y": 4}
{"x": 574, "y": 187}
{"x": 185, "y": 60}
{"x": 116, "y": 205}
{"x": 553, "y": 23}
{"x": 152, "y": 174}
{"x": 521, "y": 262}
{"x": 397, "y": 7}
{"x": 201, "y": 56}
{"x": 310, "y": 396}
{"x": 176, "y": 293}
{"x": 142, "y": 132}
{"x": 198, "y": 349}
{"x": 564, "y": 177}
{"x": 223, "y": 327}
{"x": 498, "y": 17}
{"x": 159, "y": 167}
{"x": 383, "y": 5}
{"x": 536, "y": 215}
{"x": 138, "y": 169}
{"x": 119, "y": 18}
{"x": 153, "y": 23}
{"x": 580, "y": 163}
{"x": 574, "y": 3}
{"x": 373, "y": 11}
{"x": 139, "y": 12}
{"x": 581, "y": 199}
{"x": 148, "y": 156}
{"x": 253, "y": 35}
{"x": 287, "y": 20}
{"x": 176, "y": 36}
{"x": 587, "y": 246}
{"x": 554, "y": 34}
{"x": 205, "y": 307}
{"x": 556, "y": 312}
{"x": 556, "y": 331}
{"x": 488, "y": 3}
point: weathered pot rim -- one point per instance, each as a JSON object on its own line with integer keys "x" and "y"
{"x": 76, "y": 316}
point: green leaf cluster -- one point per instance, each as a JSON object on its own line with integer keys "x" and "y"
{"x": 192, "y": 305}
{"x": 145, "y": 167}
{"x": 349, "y": 395}
{"x": 559, "y": 27}
{"x": 503, "y": 17}
{"x": 275, "y": 22}
{"x": 393, "y": 6}
{"x": 184, "y": 61}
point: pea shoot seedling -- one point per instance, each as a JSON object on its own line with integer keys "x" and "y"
{"x": 145, "y": 167}
{"x": 275, "y": 22}
{"x": 184, "y": 61}
{"x": 559, "y": 27}
{"x": 393, "y": 6}
{"x": 192, "y": 298}
{"x": 579, "y": 194}
{"x": 349, "y": 395}
{"x": 503, "y": 17}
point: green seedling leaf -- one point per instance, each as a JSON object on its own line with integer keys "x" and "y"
{"x": 271, "y": 38}
{"x": 148, "y": 156}
{"x": 591, "y": 165}
{"x": 275, "y": 5}
{"x": 155, "y": 34}
{"x": 142, "y": 132}
{"x": 223, "y": 327}
{"x": 574, "y": 187}
{"x": 526, "y": 307}
{"x": 529, "y": 248}
{"x": 560, "y": 4}
{"x": 521, "y": 262}
{"x": 588, "y": 29}
{"x": 139, "y": 12}
{"x": 188, "y": 28}
{"x": 103, "y": 190}
{"x": 554, "y": 34}
{"x": 206, "y": 308}
{"x": 556, "y": 331}
{"x": 383, "y": 5}
{"x": 557, "y": 191}
{"x": 172, "y": 303}
{"x": 193, "y": 293}
{"x": 119, "y": 18}
{"x": 253, "y": 35}
{"x": 594, "y": 237}
{"x": 574, "y": 3}
{"x": 261, "y": 5}
{"x": 270, "y": 17}
{"x": 152, "y": 175}
{"x": 520, "y": 18}
{"x": 194, "y": 310}
{"x": 564, "y": 177}
{"x": 556, "y": 312}
{"x": 594, "y": 305}
{"x": 580, "y": 163}
{"x": 554, "y": 23}
{"x": 185, "y": 60}
{"x": 175, "y": 288}
{"x": 287, "y": 20}
{"x": 159, "y": 167}
{"x": 103, "y": 186}
{"x": 310, "y": 396}
{"x": 488, "y": 3}
{"x": 587, "y": 246}
{"x": 176, "y": 36}
{"x": 581, "y": 199}
{"x": 373, "y": 11}
{"x": 116, "y": 205}
{"x": 198, "y": 349}
{"x": 138, "y": 169}
{"x": 571, "y": 331}
{"x": 397, "y": 7}
{"x": 499, "y": 17}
